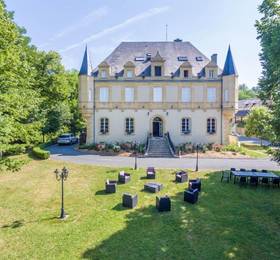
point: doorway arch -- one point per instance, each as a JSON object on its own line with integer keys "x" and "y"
{"x": 157, "y": 127}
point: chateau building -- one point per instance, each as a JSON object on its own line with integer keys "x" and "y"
{"x": 147, "y": 89}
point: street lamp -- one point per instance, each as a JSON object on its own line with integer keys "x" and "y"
{"x": 62, "y": 176}
{"x": 196, "y": 167}
{"x": 135, "y": 157}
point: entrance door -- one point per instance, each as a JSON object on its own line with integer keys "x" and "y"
{"x": 157, "y": 127}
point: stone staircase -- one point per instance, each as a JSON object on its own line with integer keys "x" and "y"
{"x": 158, "y": 147}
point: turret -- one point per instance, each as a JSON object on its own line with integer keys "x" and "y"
{"x": 230, "y": 94}
{"x": 86, "y": 95}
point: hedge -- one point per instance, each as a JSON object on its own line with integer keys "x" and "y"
{"x": 40, "y": 153}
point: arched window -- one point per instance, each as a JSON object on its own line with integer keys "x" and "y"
{"x": 211, "y": 125}
{"x": 129, "y": 125}
{"x": 186, "y": 125}
{"x": 104, "y": 125}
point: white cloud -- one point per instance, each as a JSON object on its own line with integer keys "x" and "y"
{"x": 87, "y": 20}
{"x": 148, "y": 13}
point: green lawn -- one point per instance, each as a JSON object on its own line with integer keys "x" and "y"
{"x": 229, "y": 222}
{"x": 255, "y": 151}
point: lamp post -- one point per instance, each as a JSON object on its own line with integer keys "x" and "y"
{"x": 135, "y": 157}
{"x": 196, "y": 167}
{"x": 62, "y": 176}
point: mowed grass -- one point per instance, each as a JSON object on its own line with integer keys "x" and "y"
{"x": 229, "y": 222}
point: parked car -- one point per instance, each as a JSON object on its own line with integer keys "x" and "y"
{"x": 67, "y": 139}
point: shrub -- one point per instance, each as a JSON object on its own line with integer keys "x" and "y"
{"x": 217, "y": 147}
{"x": 40, "y": 153}
{"x": 232, "y": 148}
{"x": 15, "y": 149}
{"x": 116, "y": 148}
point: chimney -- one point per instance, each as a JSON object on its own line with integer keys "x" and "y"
{"x": 214, "y": 58}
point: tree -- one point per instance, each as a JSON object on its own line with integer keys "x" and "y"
{"x": 246, "y": 93}
{"x": 37, "y": 95}
{"x": 258, "y": 124}
{"x": 268, "y": 29}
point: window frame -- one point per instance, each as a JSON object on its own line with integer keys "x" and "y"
{"x": 104, "y": 125}
{"x": 189, "y": 97}
{"x": 132, "y": 93}
{"x": 211, "y": 73}
{"x": 211, "y": 125}
{"x": 129, "y": 125}
{"x": 186, "y": 76}
{"x": 160, "y": 70}
{"x": 100, "y": 94}
{"x": 209, "y": 97}
{"x": 186, "y": 125}
{"x": 103, "y": 74}
{"x": 129, "y": 74}
{"x": 161, "y": 94}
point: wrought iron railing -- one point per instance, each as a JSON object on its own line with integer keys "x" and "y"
{"x": 171, "y": 145}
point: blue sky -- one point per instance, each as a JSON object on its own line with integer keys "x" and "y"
{"x": 211, "y": 25}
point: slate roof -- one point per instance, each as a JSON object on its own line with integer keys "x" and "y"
{"x": 169, "y": 51}
{"x": 242, "y": 113}
{"x": 229, "y": 67}
{"x": 84, "y": 70}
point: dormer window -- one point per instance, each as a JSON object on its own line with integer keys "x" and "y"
{"x": 103, "y": 74}
{"x": 186, "y": 73}
{"x": 211, "y": 74}
{"x": 158, "y": 71}
{"x": 157, "y": 65}
{"x": 104, "y": 70}
{"x": 129, "y": 74}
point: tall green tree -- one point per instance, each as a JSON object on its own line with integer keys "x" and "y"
{"x": 37, "y": 95}
{"x": 246, "y": 93}
{"x": 268, "y": 29}
{"x": 258, "y": 124}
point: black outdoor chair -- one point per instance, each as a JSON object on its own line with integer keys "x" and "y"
{"x": 111, "y": 186}
{"x": 264, "y": 170}
{"x": 276, "y": 182}
{"x": 191, "y": 195}
{"x": 254, "y": 170}
{"x": 225, "y": 176}
{"x": 265, "y": 180}
{"x": 254, "y": 180}
{"x": 242, "y": 180}
{"x": 231, "y": 170}
{"x": 181, "y": 177}
{"x": 151, "y": 173}
{"x": 163, "y": 203}
{"x": 129, "y": 201}
{"x": 195, "y": 184}
{"x": 124, "y": 177}
{"x": 242, "y": 170}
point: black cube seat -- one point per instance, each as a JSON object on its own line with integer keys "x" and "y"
{"x": 195, "y": 184}
{"x": 129, "y": 200}
{"x": 191, "y": 195}
{"x": 151, "y": 173}
{"x": 153, "y": 187}
{"x": 110, "y": 186}
{"x": 276, "y": 182}
{"x": 163, "y": 203}
{"x": 181, "y": 176}
{"x": 254, "y": 180}
{"x": 124, "y": 177}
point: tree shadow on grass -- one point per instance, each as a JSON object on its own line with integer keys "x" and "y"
{"x": 219, "y": 226}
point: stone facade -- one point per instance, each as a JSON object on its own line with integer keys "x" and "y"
{"x": 201, "y": 94}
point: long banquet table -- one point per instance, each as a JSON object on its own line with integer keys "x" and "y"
{"x": 253, "y": 174}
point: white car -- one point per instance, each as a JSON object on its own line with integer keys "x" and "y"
{"x": 67, "y": 139}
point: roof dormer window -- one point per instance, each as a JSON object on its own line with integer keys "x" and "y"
{"x": 158, "y": 71}
{"x": 103, "y": 74}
